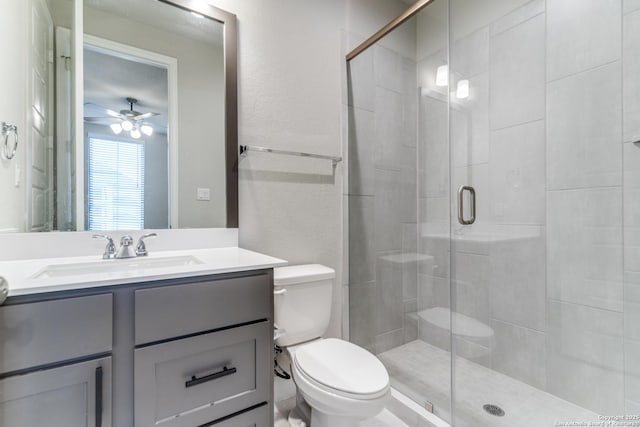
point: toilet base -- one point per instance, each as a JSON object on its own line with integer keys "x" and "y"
{"x": 296, "y": 419}
{"x": 300, "y": 416}
{"x": 303, "y": 415}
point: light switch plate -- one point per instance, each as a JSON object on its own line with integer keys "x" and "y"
{"x": 203, "y": 194}
{"x": 17, "y": 177}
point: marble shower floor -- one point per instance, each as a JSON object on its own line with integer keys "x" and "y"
{"x": 421, "y": 370}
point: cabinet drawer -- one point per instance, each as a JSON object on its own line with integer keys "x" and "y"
{"x": 53, "y": 331}
{"x": 203, "y": 378}
{"x": 175, "y": 311}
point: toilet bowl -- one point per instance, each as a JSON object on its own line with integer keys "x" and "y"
{"x": 341, "y": 382}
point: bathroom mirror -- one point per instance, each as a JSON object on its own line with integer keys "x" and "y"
{"x": 130, "y": 124}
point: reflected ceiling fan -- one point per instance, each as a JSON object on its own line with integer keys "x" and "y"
{"x": 130, "y": 120}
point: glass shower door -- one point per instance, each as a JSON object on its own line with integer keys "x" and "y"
{"x": 399, "y": 206}
{"x": 537, "y": 297}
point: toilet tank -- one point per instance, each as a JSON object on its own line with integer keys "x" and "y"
{"x": 302, "y": 301}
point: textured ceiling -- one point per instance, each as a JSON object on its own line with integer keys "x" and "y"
{"x": 109, "y": 80}
{"x": 165, "y": 17}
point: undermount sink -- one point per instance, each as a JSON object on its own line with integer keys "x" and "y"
{"x": 130, "y": 265}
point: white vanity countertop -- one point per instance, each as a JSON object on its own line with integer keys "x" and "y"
{"x": 28, "y": 277}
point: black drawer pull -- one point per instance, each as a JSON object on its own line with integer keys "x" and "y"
{"x": 195, "y": 380}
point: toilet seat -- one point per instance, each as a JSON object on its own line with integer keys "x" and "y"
{"x": 342, "y": 368}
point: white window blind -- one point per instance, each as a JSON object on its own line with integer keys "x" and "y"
{"x": 116, "y": 184}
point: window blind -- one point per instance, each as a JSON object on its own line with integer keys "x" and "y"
{"x": 116, "y": 184}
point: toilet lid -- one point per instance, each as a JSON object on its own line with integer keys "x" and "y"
{"x": 342, "y": 366}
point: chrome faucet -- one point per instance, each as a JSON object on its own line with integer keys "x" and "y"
{"x": 126, "y": 247}
{"x": 110, "y": 249}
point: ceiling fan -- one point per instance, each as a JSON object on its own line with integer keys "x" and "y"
{"x": 128, "y": 120}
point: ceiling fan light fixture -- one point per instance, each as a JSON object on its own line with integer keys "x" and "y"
{"x": 130, "y": 121}
{"x": 146, "y": 129}
{"x": 116, "y": 128}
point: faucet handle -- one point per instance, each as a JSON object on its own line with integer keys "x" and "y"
{"x": 110, "y": 250}
{"x": 141, "y": 248}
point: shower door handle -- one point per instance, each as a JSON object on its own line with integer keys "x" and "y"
{"x": 472, "y": 199}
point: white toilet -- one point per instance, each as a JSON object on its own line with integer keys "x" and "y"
{"x": 342, "y": 382}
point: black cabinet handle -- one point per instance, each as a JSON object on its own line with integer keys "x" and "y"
{"x": 98, "y": 408}
{"x": 195, "y": 380}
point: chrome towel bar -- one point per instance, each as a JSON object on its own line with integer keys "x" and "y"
{"x": 245, "y": 148}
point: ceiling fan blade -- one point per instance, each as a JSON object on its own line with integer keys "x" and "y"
{"x": 94, "y": 107}
{"x": 145, "y": 116}
{"x": 113, "y": 113}
{"x": 100, "y": 119}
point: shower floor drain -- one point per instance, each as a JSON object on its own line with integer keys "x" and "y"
{"x": 493, "y": 410}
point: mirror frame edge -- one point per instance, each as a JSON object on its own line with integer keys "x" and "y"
{"x": 229, "y": 21}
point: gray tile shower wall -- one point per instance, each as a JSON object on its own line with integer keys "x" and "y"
{"x": 631, "y": 201}
{"x": 383, "y": 266}
{"x": 584, "y": 205}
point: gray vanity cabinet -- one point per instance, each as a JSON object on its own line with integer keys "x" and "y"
{"x": 76, "y": 395}
{"x": 55, "y": 363}
{"x": 183, "y": 352}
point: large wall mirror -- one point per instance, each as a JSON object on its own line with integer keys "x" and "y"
{"x": 129, "y": 117}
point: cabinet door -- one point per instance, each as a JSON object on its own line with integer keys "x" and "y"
{"x": 77, "y": 395}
